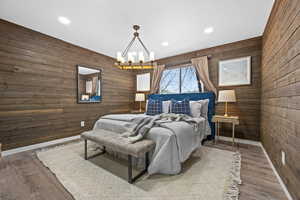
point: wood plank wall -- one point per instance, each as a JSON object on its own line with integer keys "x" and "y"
{"x": 280, "y": 110}
{"x": 38, "y": 87}
{"x": 248, "y": 97}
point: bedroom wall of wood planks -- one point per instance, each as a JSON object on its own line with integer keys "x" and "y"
{"x": 248, "y": 97}
{"x": 280, "y": 110}
{"x": 38, "y": 87}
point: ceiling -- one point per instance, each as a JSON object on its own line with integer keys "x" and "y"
{"x": 105, "y": 26}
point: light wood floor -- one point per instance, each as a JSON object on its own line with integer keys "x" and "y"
{"x": 22, "y": 176}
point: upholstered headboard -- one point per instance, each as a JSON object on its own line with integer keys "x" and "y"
{"x": 193, "y": 97}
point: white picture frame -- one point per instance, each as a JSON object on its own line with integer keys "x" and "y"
{"x": 143, "y": 82}
{"x": 235, "y": 72}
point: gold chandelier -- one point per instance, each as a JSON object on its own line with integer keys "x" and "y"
{"x": 130, "y": 60}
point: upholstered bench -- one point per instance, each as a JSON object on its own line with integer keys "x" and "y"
{"x": 115, "y": 142}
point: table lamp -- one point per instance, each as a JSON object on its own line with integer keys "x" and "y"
{"x": 140, "y": 97}
{"x": 226, "y": 96}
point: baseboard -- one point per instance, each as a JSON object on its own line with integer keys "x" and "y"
{"x": 238, "y": 140}
{"x": 287, "y": 193}
{"x": 39, "y": 145}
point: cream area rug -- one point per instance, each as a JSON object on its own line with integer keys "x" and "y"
{"x": 209, "y": 174}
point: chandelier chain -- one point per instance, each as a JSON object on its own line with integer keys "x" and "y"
{"x": 147, "y": 51}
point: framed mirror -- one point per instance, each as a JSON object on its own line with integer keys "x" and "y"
{"x": 88, "y": 84}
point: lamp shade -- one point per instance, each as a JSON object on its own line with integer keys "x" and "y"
{"x": 139, "y": 97}
{"x": 227, "y": 96}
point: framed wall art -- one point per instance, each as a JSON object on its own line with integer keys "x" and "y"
{"x": 235, "y": 72}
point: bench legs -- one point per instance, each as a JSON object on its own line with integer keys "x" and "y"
{"x": 133, "y": 179}
{"x": 85, "y": 151}
{"x": 130, "y": 178}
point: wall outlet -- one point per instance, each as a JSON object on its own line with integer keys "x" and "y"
{"x": 82, "y": 123}
{"x": 283, "y": 157}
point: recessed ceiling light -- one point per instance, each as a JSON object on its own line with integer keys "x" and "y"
{"x": 165, "y": 44}
{"x": 208, "y": 30}
{"x": 64, "y": 20}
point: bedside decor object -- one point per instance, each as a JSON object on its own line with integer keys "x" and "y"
{"x": 226, "y": 96}
{"x": 140, "y": 97}
{"x": 235, "y": 72}
{"x": 143, "y": 82}
{"x": 88, "y": 84}
{"x": 234, "y": 120}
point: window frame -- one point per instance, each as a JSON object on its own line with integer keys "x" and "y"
{"x": 200, "y": 84}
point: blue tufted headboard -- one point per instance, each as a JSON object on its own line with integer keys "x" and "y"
{"x": 192, "y": 97}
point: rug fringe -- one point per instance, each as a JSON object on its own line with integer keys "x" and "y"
{"x": 232, "y": 184}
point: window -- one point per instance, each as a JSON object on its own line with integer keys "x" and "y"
{"x": 179, "y": 80}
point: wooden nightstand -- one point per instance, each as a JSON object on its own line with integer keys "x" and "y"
{"x": 136, "y": 112}
{"x": 217, "y": 119}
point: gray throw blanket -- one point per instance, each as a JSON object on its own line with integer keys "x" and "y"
{"x": 140, "y": 126}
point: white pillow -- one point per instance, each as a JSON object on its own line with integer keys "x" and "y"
{"x": 165, "y": 106}
{"x": 204, "y": 107}
{"x": 195, "y": 109}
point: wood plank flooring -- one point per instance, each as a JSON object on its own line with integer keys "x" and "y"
{"x": 22, "y": 176}
{"x": 258, "y": 180}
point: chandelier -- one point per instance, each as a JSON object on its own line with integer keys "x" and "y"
{"x": 132, "y": 60}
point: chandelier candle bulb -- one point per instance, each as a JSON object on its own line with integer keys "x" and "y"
{"x": 151, "y": 56}
{"x": 122, "y": 60}
{"x": 119, "y": 57}
{"x": 130, "y": 58}
{"x": 141, "y": 57}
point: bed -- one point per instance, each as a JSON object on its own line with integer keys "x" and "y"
{"x": 175, "y": 141}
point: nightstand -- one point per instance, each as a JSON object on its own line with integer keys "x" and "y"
{"x": 217, "y": 119}
{"x": 136, "y": 112}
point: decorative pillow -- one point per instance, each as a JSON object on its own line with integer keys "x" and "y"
{"x": 165, "y": 106}
{"x": 154, "y": 107}
{"x": 204, "y": 107}
{"x": 195, "y": 109}
{"x": 181, "y": 107}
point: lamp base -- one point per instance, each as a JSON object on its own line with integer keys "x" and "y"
{"x": 140, "y": 106}
{"x": 226, "y": 115}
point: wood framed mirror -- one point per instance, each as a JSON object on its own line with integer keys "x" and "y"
{"x": 89, "y": 86}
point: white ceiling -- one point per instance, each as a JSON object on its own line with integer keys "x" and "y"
{"x": 105, "y": 26}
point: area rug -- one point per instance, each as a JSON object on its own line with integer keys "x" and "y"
{"x": 210, "y": 174}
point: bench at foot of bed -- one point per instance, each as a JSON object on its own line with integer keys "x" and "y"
{"x": 114, "y": 142}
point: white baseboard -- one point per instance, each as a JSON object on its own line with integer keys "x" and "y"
{"x": 287, "y": 193}
{"x": 39, "y": 145}
{"x": 238, "y": 140}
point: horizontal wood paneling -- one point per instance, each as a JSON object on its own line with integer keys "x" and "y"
{"x": 248, "y": 97}
{"x": 38, "y": 87}
{"x": 280, "y": 110}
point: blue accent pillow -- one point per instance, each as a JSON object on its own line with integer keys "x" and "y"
{"x": 154, "y": 107}
{"x": 181, "y": 107}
